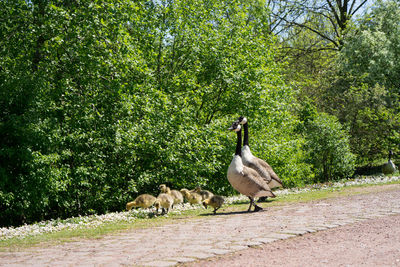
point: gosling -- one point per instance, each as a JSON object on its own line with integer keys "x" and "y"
{"x": 176, "y": 195}
{"x": 192, "y": 197}
{"x": 215, "y": 202}
{"x": 143, "y": 201}
{"x": 164, "y": 201}
{"x": 205, "y": 194}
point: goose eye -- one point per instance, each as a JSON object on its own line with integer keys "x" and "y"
{"x": 234, "y": 127}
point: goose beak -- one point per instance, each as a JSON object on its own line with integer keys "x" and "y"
{"x": 234, "y": 127}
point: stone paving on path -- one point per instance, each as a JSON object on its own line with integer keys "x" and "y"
{"x": 186, "y": 241}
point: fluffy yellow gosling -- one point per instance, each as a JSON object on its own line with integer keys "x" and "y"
{"x": 203, "y": 193}
{"x": 176, "y": 195}
{"x": 165, "y": 202}
{"x": 191, "y": 197}
{"x": 215, "y": 202}
{"x": 143, "y": 201}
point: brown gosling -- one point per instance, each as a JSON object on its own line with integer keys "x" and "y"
{"x": 143, "y": 201}
{"x": 192, "y": 197}
{"x": 176, "y": 195}
{"x": 214, "y": 201}
{"x": 205, "y": 194}
{"x": 165, "y": 202}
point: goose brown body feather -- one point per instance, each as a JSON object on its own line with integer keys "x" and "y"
{"x": 247, "y": 181}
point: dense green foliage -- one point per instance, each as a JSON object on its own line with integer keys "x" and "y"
{"x": 328, "y": 147}
{"x": 103, "y": 100}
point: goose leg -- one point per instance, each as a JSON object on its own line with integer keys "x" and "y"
{"x": 251, "y": 203}
{"x": 256, "y": 207}
{"x": 215, "y": 210}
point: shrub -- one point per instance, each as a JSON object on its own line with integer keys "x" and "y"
{"x": 327, "y": 147}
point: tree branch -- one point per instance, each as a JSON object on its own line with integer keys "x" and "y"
{"x": 314, "y": 31}
{"x": 362, "y": 3}
{"x": 334, "y": 12}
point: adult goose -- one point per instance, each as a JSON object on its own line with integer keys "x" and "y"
{"x": 244, "y": 179}
{"x": 251, "y": 161}
{"x": 389, "y": 167}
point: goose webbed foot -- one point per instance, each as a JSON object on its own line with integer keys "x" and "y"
{"x": 257, "y": 208}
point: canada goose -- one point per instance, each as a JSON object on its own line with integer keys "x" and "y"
{"x": 164, "y": 201}
{"x": 389, "y": 167}
{"x": 143, "y": 201}
{"x": 176, "y": 195}
{"x": 203, "y": 193}
{"x": 249, "y": 160}
{"x": 244, "y": 179}
{"x": 214, "y": 201}
{"x": 192, "y": 197}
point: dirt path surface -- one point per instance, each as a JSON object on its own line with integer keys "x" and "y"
{"x": 375, "y": 242}
{"x": 347, "y": 220}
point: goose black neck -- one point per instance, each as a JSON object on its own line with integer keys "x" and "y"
{"x": 239, "y": 143}
{"x": 246, "y": 134}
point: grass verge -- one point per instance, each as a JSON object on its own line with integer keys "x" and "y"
{"x": 51, "y": 239}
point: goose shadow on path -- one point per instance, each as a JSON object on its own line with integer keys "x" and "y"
{"x": 232, "y": 213}
{"x": 221, "y": 213}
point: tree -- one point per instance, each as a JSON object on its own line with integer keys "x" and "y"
{"x": 330, "y": 21}
{"x": 314, "y": 33}
{"x": 367, "y": 86}
{"x": 374, "y": 52}
{"x": 357, "y": 83}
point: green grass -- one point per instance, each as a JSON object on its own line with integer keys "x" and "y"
{"x": 49, "y": 239}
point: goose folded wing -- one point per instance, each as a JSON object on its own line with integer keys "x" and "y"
{"x": 267, "y": 167}
{"x": 256, "y": 164}
{"x": 255, "y": 184}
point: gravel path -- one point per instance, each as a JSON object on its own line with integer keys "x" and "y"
{"x": 224, "y": 234}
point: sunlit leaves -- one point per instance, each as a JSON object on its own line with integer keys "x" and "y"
{"x": 327, "y": 145}
{"x": 105, "y": 100}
